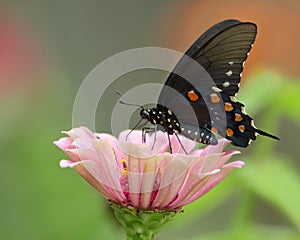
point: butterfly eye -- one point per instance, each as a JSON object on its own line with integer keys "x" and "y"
{"x": 144, "y": 114}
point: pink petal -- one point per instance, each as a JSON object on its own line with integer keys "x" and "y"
{"x": 204, "y": 164}
{"x": 135, "y": 136}
{"x": 64, "y": 143}
{"x": 159, "y": 142}
{"x": 197, "y": 152}
{"x": 204, "y": 186}
{"x": 191, "y": 186}
{"x": 67, "y": 163}
{"x": 150, "y": 178}
{"x": 156, "y": 142}
{"x": 136, "y": 150}
{"x": 215, "y": 149}
{"x": 188, "y": 144}
{"x": 207, "y": 163}
{"x": 105, "y": 168}
{"x": 80, "y": 167}
{"x": 81, "y": 132}
{"x": 142, "y": 173}
{"x": 235, "y": 164}
{"x": 172, "y": 178}
{"x": 114, "y": 143}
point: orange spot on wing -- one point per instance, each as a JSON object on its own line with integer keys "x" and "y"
{"x": 214, "y": 98}
{"x": 238, "y": 117}
{"x": 229, "y": 132}
{"x": 228, "y": 107}
{"x": 213, "y": 129}
{"x": 193, "y": 96}
{"x": 242, "y": 128}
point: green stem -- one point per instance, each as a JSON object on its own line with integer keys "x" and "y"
{"x": 141, "y": 225}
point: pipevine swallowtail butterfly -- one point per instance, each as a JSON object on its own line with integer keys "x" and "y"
{"x": 221, "y": 51}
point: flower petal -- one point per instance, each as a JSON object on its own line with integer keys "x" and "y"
{"x": 84, "y": 168}
{"x": 151, "y": 178}
{"x": 64, "y": 143}
{"x": 215, "y": 149}
{"x": 172, "y": 178}
{"x": 188, "y": 144}
{"x": 205, "y": 185}
{"x": 114, "y": 143}
{"x": 134, "y": 136}
{"x": 81, "y": 132}
{"x": 67, "y": 163}
{"x": 107, "y": 172}
{"x": 159, "y": 142}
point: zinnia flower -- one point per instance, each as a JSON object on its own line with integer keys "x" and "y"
{"x": 145, "y": 176}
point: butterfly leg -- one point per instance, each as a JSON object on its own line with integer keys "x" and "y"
{"x": 180, "y": 143}
{"x": 146, "y": 130}
{"x": 154, "y": 140}
{"x": 169, "y": 143}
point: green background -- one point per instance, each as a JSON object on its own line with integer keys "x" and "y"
{"x": 63, "y": 41}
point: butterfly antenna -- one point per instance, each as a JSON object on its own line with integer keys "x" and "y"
{"x": 126, "y": 103}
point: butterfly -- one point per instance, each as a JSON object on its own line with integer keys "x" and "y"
{"x": 199, "y": 102}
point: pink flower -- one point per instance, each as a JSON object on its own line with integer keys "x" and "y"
{"x": 145, "y": 175}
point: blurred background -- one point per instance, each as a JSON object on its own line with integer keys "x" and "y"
{"x": 46, "y": 50}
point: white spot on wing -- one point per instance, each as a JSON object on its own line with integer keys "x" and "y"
{"x": 243, "y": 110}
{"x": 229, "y": 73}
{"x": 226, "y": 84}
{"x": 231, "y": 63}
{"x": 216, "y": 89}
{"x": 232, "y": 98}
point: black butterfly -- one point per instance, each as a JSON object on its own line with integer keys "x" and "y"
{"x": 198, "y": 103}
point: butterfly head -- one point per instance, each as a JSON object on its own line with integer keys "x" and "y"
{"x": 145, "y": 114}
